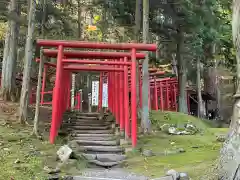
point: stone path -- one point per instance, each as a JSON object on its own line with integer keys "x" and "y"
{"x": 112, "y": 174}
{"x": 94, "y": 137}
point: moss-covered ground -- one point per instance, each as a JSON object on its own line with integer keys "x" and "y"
{"x": 23, "y": 156}
{"x": 202, "y": 149}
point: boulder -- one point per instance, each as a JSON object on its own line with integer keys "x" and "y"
{"x": 183, "y": 176}
{"x": 174, "y": 174}
{"x": 64, "y": 153}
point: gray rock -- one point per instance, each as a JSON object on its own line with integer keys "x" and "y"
{"x": 174, "y": 174}
{"x": 56, "y": 177}
{"x": 181, "y": 150}
{"x": 164, "y": 178}
{"x": 184, "y": 133}
{"x": 64, "y": 153}
{"x": 68, "y": 178}
{"x": 190, "y": 126}
{"x": 6, "y": 149}
{"x": 221, "y": 138}
{"x": 147, "y": 153}
{"x": 51, "y": 171}
{"x": 183, "y": 176}
{"x": 172, "y": 130}
{"x": 192, "y": 129}
{"x": 16, "y": 161}
{"x": 170, "y": 152}
{"x": 109, "y": 174}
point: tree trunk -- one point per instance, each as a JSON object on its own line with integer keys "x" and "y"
{"x": 230, "y": 153}
{"x": 137, "y": 26}
{"x": 5, "y": 57}
{"x": 38, "y": 95}
{"x": 137, "y": 29}
{"x": 40, "y": 71}
{"x": 10, "y": 56}
{"x": 199, "y": 90}
{"x": 182, "y": 76}
{"x": 145, "y": 83}
{"x": 218, "y": 94}
{"x": 44, "y": 11}
{"x": 174, "y": 65}
{"x": 158, "y": 47}
{"x": 79, "y": 20}
{"x": 27, "y": 64}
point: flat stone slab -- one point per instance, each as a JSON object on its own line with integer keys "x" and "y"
{"x": 88, "y": 114}
{"x": 79, "y": 117}
{"x": 93, "y": 132}
{"x": 164, "y": 178}
{"x": 104, "y": 164}
{"x": 88, "y": 121}
{"x": 112, "y": 174}
{"x": 105, "y": 157}
{"x": 88, "y": 127}
{"x": 109, "y": 149}
{"x": 93, "y": 135}
{"x": 95, "y": 143}
{"x": 89, "y": 138}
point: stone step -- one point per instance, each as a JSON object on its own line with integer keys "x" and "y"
{"x": 110, "y": 178}
{"x": 93, "y": 132}
{"x": 97, "y": 138}
{"x": 108, "y": 149}
{"x": 98, "y": 143}
{"x": 86, "y": 123}
{"x": 92, "y": 119}
{"x": 104, "y": 135}
{"x": 87, "y": 127}
{"x": 105, "y": 164}
{"x": 92, "y": 114}
{"x": 109, "y": 174}
{"x": 78, "y": 117}
{"x": 105, "y": 157}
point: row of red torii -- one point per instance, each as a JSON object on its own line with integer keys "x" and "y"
{"x": 162, "y": 94}
{"x": 120, "y": 70}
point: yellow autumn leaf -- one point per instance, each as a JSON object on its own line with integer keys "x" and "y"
{"x": 91, "y": 28}
{"x": 96, "y": 18}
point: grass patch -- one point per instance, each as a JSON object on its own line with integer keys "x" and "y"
{"x": 23, "y": 156}
{"x": 201, "y": 149}
{"x": 160, "y": 118}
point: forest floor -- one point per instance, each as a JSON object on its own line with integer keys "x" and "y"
{"x": 23, "y": 156}
{"x": 199, "y": 152}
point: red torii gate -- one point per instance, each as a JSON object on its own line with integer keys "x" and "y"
{"x": 84, "y": 54}
{"x": 61, "y": 68}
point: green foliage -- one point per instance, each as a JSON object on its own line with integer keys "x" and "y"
{"x": 205, "y": 23}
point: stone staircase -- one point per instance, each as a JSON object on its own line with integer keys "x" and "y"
{"x": 93, "y": 137}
